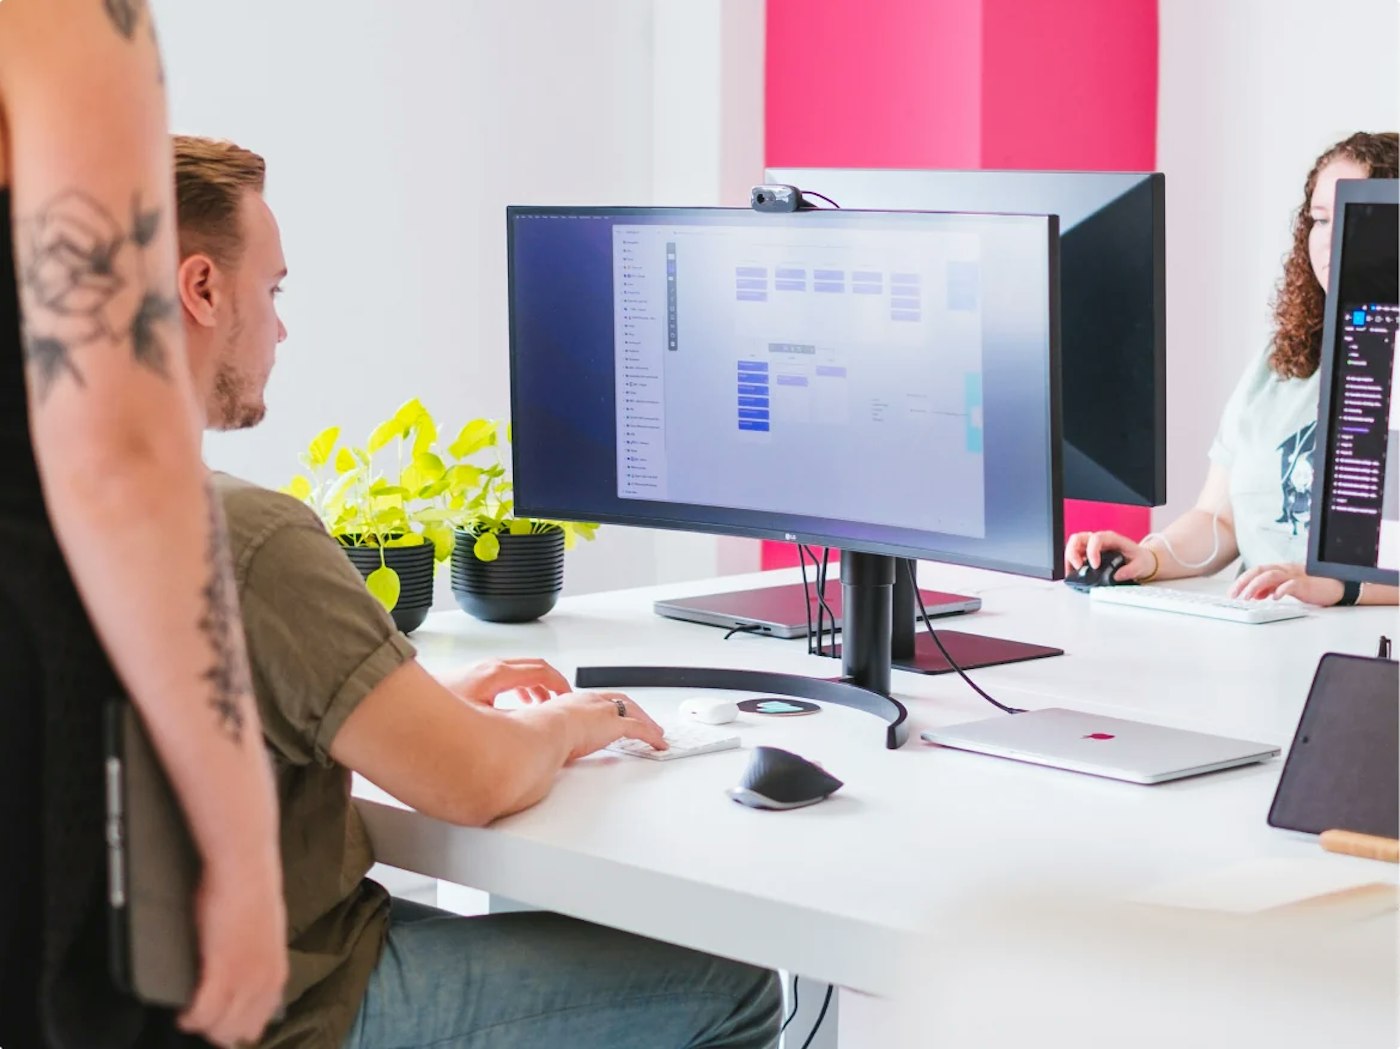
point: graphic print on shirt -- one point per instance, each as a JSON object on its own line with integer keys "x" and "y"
{"x": 1296, "y": 477}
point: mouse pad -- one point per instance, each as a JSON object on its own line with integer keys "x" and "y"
{"x": 775, "y": 706}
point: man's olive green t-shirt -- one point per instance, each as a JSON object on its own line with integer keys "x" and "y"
{"x": 318, "y": 643}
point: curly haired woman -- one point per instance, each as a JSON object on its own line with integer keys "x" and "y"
{"x": 1256, "y": 503}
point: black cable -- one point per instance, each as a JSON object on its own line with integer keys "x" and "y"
{"x": 820, "y": 568}
{"x": 819, "y": 196}
{"x": 794, "y": 1006}
{"x": 914, "y": 582}
{"x": 806, "y": 596}
{"x": 743, "y": 628}
{"x": 821, "y": 596}
{"x": 820, "y": 1016}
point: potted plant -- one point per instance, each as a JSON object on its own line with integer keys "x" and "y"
{"x": 388, "y": 506}
{"x": 505, "y": 569}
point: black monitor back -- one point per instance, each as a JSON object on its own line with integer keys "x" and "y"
{"x": 1112, "y": 302}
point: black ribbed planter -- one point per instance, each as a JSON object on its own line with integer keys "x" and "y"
{"x": 414, "y": 564}
{"x": 522, "y": 584}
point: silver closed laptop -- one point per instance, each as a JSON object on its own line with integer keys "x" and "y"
{"x": 1101, "y": 746}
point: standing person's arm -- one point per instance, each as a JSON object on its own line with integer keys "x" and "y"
{"x": 116, "y": 440}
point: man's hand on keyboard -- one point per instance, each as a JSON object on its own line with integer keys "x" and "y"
{"x": 1286, "y": 580}
{"x": 595, "y": 721}
{"x": 532, "y": 680}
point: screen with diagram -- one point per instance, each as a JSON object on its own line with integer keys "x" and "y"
{"x": 758, "y": 373}
{"x": 882, "y": 381}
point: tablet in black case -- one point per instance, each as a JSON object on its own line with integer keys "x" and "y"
{"x": 153, "y": 870}
{"x": 1342, "y": 770}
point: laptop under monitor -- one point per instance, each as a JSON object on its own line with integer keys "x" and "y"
{"x": 778, "y": 610}
{"x": 1101, "y": 746}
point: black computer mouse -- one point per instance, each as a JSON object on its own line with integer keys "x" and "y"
{"x": 1089, "y": 577}
{"x": 779, "y": 779}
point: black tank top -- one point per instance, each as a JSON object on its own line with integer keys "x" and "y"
{"x": 54, "y": 677}
{"x": 21, "y": 487}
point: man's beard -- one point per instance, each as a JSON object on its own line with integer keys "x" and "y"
{"x": 239, "y": 406}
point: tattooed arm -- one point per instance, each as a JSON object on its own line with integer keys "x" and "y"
{"x": 115, "y": 431}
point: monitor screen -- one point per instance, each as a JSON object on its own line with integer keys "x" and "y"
{"x": 1112, "y": 302}
{"x": 882, "y": 382}
{"x": 1356, "y": 535}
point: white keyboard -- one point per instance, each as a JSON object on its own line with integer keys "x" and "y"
{"x": 1197, "y": 603}
{"x": 685, "y": 741}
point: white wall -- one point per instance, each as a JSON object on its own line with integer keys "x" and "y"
{"x": 397, "y": 133}
{"x": 1251, "y": 92}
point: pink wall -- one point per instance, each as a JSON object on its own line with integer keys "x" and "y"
{"x": 856, "y": 83}
{"x": 965, "y": 84}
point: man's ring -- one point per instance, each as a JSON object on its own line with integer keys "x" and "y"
{"x": 621, "y": 707}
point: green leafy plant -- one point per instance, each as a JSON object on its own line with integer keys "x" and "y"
{"x": 398, "y": 490}
{"x": 394, "y": 491}
{"x": 487, "y": 510}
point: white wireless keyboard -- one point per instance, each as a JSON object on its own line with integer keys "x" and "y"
{"x": 1197, "y": 603}
{"x": 685, "y": 742}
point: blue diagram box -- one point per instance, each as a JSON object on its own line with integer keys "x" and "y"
{"x": 751, "y": 424}
{"x": 792, "y": 380}
{"x": 789, "y": 285}
{"x": 832, "y": 371}
{"x": 753, "y": 402}
{"x": 828, "y": 287}
{"x": 747, "y": 389}
{"x": 751, "y": 271}
{"x": 867, "y": 289}
{"x": 750, "y": 284}
{"x": 751, "y": 296}
{"x": 786, "y": 273}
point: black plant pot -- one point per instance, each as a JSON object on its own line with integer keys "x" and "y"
{"x": 414, "y": 564}
{"x": 522, "y": 584}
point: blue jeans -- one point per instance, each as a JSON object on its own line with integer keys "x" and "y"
{"x": 542, "y": 981}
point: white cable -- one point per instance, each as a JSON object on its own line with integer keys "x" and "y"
{"x": 1167, "y": 544}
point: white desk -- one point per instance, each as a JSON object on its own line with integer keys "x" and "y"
{"x": 933, "y": 865}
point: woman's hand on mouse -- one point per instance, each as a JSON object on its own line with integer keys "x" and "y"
{"x": 1091, "y": 547}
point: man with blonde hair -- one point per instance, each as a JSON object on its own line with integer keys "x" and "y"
{"x": 339, "y": 690}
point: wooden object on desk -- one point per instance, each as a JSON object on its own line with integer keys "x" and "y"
{"x": 1368, "y": 846}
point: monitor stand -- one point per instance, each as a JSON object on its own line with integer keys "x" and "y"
{"x": 867, "y": 586}
{"x": 912, "y": 649}
{"x": 868, "y": 589}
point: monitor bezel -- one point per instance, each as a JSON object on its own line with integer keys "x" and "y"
{"x": 1349, "y": 191}
{"x": 1054, "y": 569}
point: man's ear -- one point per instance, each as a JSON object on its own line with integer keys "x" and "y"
{"x": 200, "y": 285}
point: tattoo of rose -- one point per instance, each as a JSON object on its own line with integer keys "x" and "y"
{"x": 71, "y": 268}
